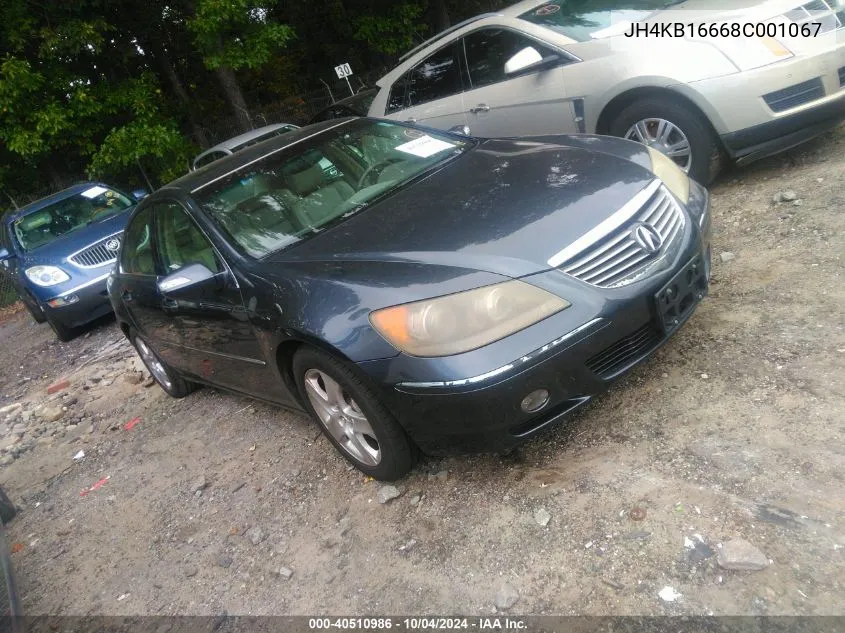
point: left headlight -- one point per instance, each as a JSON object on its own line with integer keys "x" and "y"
{"x": 672, "y": 176}
{"x": 465, "y": 320}
{"x": 46, "y": 276}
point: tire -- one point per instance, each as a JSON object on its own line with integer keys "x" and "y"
{"x": 396, "y": 453}
{"x": 705, "y": 149}
{"x": 63, "y": 332}
{"x": 7, "y": 508}
{"x": 167, "y": 378}
{"x": 34, "y": 310}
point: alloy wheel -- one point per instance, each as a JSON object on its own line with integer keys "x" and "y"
{"x": 665, "y": 137}
{"x": 342, "y": 417}
{"x": 153, "y": 364}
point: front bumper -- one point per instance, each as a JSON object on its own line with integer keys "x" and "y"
{"x": 480, "y": 411}
{"x": 751, "y": 129}
{"x": 92, "y": 302}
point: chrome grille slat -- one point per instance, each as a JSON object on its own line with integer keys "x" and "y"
{"x": 615, "y": 258}
{"x": 619, "y": 272}
{"x": 593, "y": 254}
{"x": 96, "y": 254}
{"x": 616, "y": 252}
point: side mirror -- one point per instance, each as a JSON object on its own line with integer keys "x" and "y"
{"x": 190, "y": 275}
{"x": 140, "y": 194}
{"x": 460, "y": 129}
{"x": 528, "y": 57}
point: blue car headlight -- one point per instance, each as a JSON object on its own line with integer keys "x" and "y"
{"x": 46, "y": 276}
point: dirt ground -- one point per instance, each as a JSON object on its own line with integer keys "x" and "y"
{"x": 733, "y": 430}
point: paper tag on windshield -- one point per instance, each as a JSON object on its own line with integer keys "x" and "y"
{"x": 424, "y": 146}
{"x": 93, "y": 192}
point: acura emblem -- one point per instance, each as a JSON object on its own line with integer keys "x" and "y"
{"x": 647, "y": 238}
{"x": 113, "y": 245}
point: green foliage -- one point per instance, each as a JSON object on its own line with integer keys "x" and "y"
{"x": 140, "y": 139}
{"x": 393, "y": 30}
{"x": 237, "y": 33}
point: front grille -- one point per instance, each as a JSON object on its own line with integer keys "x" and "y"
{"x": 98, "y": 254}
{"x": 623, "y": 352}
{"x": 830, "y": 13}
{"x": 614, "y": 259}
{"x": 842, "y": 76}
{"x": 796, "y": 95}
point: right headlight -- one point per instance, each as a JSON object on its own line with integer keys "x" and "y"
{"x": 46, "y": 276}
{"x": 465, "y": 321}
{"x": 672, "y": 176}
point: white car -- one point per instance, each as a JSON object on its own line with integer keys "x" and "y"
{"x": 539, "y": 68}
{"x": 237, "y": 143}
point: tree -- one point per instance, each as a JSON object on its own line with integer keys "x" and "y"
{"x": 234, "y": 34}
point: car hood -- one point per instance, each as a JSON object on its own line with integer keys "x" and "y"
{"x": 504, "y": 207}
{"x": 58, "y": 250}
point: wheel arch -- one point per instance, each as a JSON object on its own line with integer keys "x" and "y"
{"x": 628, "y": 96}
{"x": 286, "y": 350}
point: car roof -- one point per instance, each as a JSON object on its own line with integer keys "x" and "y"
{"x": 240, "y": 139}
{"x": 51, "y": 199}
{"x": 204, "y": 175}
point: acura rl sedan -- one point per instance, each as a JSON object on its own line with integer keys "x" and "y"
{"x": 432, "y": 292}
{"x": 699, "y": 80}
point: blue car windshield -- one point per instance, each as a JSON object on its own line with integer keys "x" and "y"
{"x": 41, "y": 227}
{"x": 290, "y": 195}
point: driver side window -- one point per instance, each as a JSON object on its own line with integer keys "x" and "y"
{"x": 488, "y": 50}
{"x": 180, "y": 241}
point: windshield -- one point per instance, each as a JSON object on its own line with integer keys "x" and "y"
{"x": 291, "y": 195}
{"x": 68, "y": 215}
{"x": 583, "y": 20}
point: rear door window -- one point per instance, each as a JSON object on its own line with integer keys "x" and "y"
{"x": 436, "y": 77}
{"x": 137, "y": 257}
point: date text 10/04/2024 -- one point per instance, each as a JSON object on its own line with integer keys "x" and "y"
{"x": 418, "y": 624}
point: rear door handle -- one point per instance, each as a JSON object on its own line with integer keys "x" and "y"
{"x": 169, "y": 303}
{"x": 481, "y": 107}
{"x": 127, "y": 296}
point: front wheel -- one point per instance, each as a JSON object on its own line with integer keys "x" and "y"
{"x": 352, "y": 418}
{"x": 35, "y": 310}
{"x": 63, "y": 332}
{"x": 677, "y": 131}
{"x": 166, "y": 377}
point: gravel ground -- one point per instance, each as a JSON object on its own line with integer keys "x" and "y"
{"x": 724, "y": 451}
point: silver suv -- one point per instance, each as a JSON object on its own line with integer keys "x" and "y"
{"x": 567, "y": 67}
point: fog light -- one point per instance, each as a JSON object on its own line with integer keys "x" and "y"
{"x": 58, "y": 302}
{"x": 535, "y": 401}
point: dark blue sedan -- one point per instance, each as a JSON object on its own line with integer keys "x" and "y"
{"x": 59, "y": 251}
{"x": 428, "y": 292}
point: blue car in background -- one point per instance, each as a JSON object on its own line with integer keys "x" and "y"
{"x": 59, "y": 251}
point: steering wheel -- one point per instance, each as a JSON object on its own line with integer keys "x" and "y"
{"x": 376, "y": 168}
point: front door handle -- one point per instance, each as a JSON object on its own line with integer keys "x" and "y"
{"x": 411, "y": 120}
{"x": 481, "y": 107}
{"x": 127, "y": 296}
{"x": 170, "y": 303}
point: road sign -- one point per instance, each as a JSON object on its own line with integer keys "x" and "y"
{"x": 343, "y": 71}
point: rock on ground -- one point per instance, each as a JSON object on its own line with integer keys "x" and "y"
{"x": 738, "y": 554}
{"x": 51, "y": 414}
{"x": 727, "y": 256}
{"x": 542, "y": 517}
{"x": 255, "y": 535}
{"x": 506, "y": 597}
{"x": 387, "y": 493}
